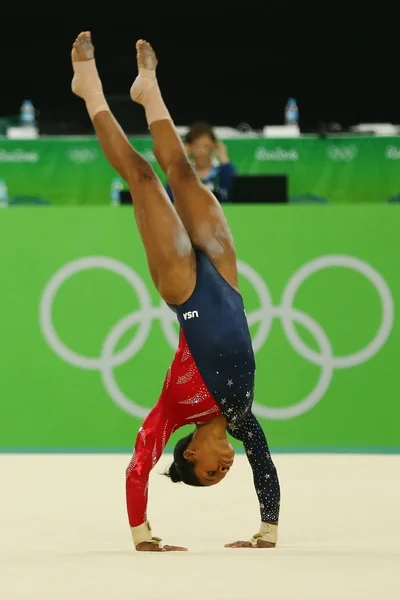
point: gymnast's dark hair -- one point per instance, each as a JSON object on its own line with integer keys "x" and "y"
{"x": 182, "y": 469}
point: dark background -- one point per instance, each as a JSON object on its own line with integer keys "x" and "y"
{"x": 225, "y": 63}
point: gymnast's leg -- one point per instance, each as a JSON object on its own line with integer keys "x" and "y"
{"x": 200, "y": 211}
{"x": 168, "y": 247}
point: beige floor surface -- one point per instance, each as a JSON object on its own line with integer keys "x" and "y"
{"x": 64, "y": 534}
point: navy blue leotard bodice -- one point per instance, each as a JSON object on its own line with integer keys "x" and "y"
{"x": 216, "y": 330}
{"x": 217, "y": 333}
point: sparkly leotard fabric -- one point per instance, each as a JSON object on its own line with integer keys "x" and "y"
{"x": 212, "y": 373}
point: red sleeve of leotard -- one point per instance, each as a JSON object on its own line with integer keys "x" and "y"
{"x": 150, "y": 442}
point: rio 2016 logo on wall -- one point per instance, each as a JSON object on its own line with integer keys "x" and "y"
{"x": 342, "y": 153}
{"x": 263, "y": 316}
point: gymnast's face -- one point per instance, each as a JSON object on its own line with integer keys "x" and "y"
{"x": 212, "y": 458}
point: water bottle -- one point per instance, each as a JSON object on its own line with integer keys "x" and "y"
{"x": 27, "y": 114}
{"x": 3, "y": 194}
{"x": 116, "y": 187}
{"x": 291, "y": 112}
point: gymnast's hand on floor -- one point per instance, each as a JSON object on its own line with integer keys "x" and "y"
{"x": 150, "y": 547}
{"x": 259, "y": 544}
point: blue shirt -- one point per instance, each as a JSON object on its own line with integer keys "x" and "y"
{"x": 218, "y": 180}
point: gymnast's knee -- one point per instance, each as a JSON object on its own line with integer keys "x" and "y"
{"x": 181, "y": 172}
{"x": 139, "y": 170}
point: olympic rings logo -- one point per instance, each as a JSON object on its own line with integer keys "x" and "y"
{"x": 264, "y": 315}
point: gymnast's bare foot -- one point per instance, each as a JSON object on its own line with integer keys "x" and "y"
{"x": 82, "y": 51}
{"x": 147, "y": 63}
{"x": 82, "y": 48}
{"x": 146, "y": 57}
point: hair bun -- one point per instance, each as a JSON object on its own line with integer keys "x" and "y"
{"x": 173, "y": 473}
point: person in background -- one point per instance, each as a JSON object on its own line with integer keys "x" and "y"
{"x": 210, "y": 160}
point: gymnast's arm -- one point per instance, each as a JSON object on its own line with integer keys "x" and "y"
{"x": 248, "y": 430}
{"x": 150, "y": 442}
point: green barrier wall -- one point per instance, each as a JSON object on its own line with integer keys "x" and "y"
{"x": 343, "y": 170}
{"x": 86, "y": 342}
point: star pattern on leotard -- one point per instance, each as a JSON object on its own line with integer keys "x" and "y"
{"x": 244, "y": 426}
